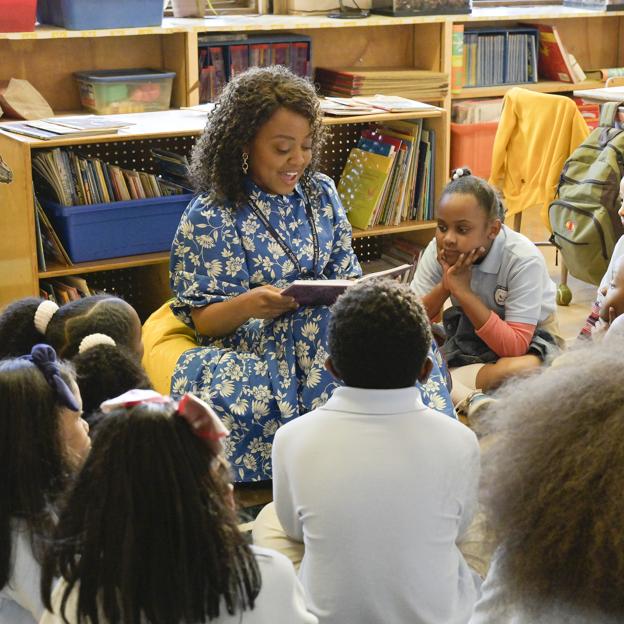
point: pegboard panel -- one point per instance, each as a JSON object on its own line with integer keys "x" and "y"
{"x": 144, "y": 288}
{"x": 341, "y": 139}
{"x": 367, "y": 247}
{"x": 135, "y": 154}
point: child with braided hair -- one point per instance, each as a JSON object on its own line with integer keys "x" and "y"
{"x": 101, "y": 335}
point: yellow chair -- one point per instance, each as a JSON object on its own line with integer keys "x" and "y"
{"x": 536, "y": 134}
{"x": 165, "y": 339}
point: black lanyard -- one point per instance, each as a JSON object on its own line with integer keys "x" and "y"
{"x": 282, "y": 243}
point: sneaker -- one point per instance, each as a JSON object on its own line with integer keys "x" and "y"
{"x": 471, "y": 408}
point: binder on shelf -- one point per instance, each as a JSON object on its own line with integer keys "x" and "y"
{"x": 235, "y": 53}
{"x": 498, "y": 56}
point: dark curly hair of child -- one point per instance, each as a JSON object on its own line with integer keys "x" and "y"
{"x": 379, "y": 335}
{"x": 553, "y": 480}
{"x": 103, "y": 371}
{"x": 146, "y": 533}
{"x": 247, "y": 102}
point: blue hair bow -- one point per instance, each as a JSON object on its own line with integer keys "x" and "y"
{"x": 43, "y": 356}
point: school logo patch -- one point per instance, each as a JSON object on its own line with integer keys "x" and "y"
{"x": 500, "y": 295}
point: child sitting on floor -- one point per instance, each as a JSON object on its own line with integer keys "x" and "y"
{"x": 377, "y": 486}
{"x": 101, "y": 335}
{"x": 502, "y": 318}
{"x": 148, "y": 533}
{"x": 43, "y": 440}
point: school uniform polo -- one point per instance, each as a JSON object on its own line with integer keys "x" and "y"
{"x": 512, "y": 279}
{"x": 379, "y": 488}
{"x": 20, "y": 598}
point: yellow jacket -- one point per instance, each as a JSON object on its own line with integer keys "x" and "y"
{"x": 536, "y": 134}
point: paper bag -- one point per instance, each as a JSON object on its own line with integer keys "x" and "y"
{"x": 19, "y": 99}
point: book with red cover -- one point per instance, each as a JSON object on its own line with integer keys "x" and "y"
{"x": 325, "y": 292}
{"x": 553, "y": 63}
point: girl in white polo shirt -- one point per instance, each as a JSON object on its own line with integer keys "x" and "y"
{"x": 501, "y": 321}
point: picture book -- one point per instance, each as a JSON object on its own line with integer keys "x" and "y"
{"x": 325, "y": 292}
{"x": 554, "y": 61}
{"x": 362, "y": 184}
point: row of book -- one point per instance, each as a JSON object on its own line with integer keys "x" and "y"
{"x": 494, "y": 57}
{"x": 72, "y": 180}
{"x": 408, "y": 82}
{"x": 389, "y": 177}
{"x": 395, "y": 251}
{"x": 220, "y": 61}
{"x": 491, "y": 56}
{"x": 65, "y": 289}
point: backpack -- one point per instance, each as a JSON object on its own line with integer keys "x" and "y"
{"x": 584, "y": 216}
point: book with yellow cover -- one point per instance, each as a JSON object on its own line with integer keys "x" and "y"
{"x": 362, "y": 184}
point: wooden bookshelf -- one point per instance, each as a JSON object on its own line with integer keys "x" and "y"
{"x": 49, "y": 56}
{"x": 172, "y": 130}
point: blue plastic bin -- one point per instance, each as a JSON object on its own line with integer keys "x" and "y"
{"x": 124, "y": 228}
{"x": 91, "y": 14}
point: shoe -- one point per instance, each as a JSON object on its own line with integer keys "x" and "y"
{"x": 471, "y": 408}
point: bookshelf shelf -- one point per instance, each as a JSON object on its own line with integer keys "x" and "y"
{"x": 111, "y": 264}
{"x": 543, "y": 86}
{"x": 406, "y": 226}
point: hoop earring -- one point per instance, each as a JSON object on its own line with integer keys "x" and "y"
{"x": 245, "y": 164}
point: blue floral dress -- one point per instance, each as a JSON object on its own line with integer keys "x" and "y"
{"x": 267, "y": 371}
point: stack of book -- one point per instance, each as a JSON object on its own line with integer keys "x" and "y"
{"x": 50, "y": 249}
{"x": 71, "y": 180}
{"x": 408, "y": 82}
{"x": 389, "y": 176}
{"x": 395, "y": 251}
{"x": 60, "y": 127}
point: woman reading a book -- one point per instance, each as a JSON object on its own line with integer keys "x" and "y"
{"x": 263, "y": 218}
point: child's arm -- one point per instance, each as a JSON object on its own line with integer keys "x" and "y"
{"x": 428, "y": 281}
{"x": 505, "y": 338}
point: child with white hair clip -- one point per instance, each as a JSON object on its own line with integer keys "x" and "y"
{"x": 100, "y": 335}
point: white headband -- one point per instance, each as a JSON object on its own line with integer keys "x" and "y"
{"x": 93, "y": 340}
{"x": 44, "y": 313}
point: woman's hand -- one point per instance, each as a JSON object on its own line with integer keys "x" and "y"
{"x": 267, "y": 302}
{"x": 457, "y": 277}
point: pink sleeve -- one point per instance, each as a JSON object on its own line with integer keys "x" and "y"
{"x": 506, "y": 339}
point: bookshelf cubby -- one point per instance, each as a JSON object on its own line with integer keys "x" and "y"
{"x": 143, "y": 279}
{"x": 48, "y": 57}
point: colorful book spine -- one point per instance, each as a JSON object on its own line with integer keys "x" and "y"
{"x": 457, "y": 59}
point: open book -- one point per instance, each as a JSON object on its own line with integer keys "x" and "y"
{"x": 325, "y": 292}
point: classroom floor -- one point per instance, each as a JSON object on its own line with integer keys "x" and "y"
{"x": 251, "y": 497}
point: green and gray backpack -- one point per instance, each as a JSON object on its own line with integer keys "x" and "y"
{"x": 584, "y": 216}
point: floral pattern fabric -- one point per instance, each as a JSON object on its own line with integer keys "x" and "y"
{"x": 267, "y": 371}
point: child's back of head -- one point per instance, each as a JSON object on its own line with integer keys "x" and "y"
{"x": 42, "y": 440}
{"x": 147, "y": 532}
{"x": 379, "y": 335}
{"x": 101, "y": 335}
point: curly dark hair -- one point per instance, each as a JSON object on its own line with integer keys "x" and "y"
{"x": 553, "y": 480}
{"x": 247, "y": 102}
{"x": 104, "y": 314}
{"x": 146, "y": 533}
{"x": 18, "y": 334}
{"x": 104, "y": 372}
{"x": 73, "y": 321}
{"x": 487, "y": 197}
{"x": 379, "y": 335}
